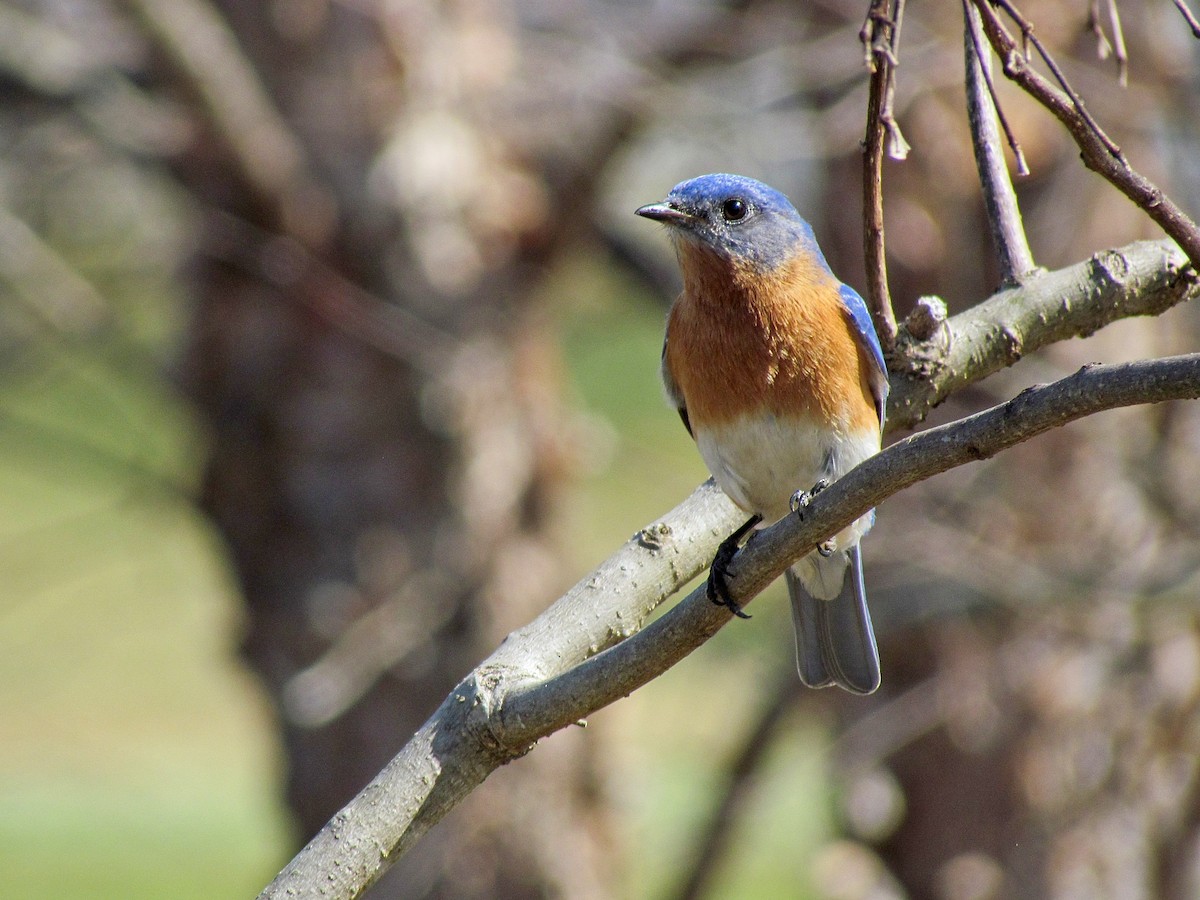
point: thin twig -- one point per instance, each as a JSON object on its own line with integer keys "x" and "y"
{"x": 974, "y": 31}
{"x": 712, "y": 845}
{"x": 896, "y": 146}
{"x": 51, "y": 290}
{"x": 365, "y": 649}
{"x": 1098, "y": 151}
{"x": 887, "y": 729}
{"x": 1030, "y": 39}
{"x": 1004, "y": 215}
{"x": 1103, "y": 46}
{"x": 1106, "y": 48}
{"x": 1119, "y": 52}
{"x": 878, "y": 34}
{"x": 270, "y": 158}
{"x": 1189, "y": 17}
{"x": 303, "y": 276}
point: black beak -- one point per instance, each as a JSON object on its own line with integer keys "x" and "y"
{"x": 662, "y": 212}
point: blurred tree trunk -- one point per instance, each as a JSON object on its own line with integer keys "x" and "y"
{"x": 384, "y": 184}
{"x": 385, "y": 452}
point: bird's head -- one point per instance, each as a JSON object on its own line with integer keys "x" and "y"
{"x": 739, "y": 219}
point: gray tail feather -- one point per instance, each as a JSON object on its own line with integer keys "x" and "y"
{"x": 835, "y": 643}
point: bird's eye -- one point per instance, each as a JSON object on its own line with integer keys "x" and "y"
{"x": 734, "y": 209}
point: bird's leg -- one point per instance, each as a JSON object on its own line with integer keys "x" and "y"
{"x": 718, "y": 573}
{"x": 799, "y": 503}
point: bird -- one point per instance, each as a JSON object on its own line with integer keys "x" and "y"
{"x": 777, "y": 373}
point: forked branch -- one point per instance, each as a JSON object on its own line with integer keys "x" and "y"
{"x": 522, "y": 692}
{"x": 1099, "y": 152}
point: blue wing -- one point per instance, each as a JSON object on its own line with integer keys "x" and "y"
{"x": 860, "y": 316}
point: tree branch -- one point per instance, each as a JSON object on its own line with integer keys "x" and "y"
{"x": 1145, "y": 278}
{"x": 1114, "y": 48}
{"x": 456, "y": 749}
{"x": 1098, "y": 151}
{"x": 713, "y": 845}
{"x": 983, "y": 110}
{"x": 880, "y": 35}
{"x": 1189, "y": 17}
{"x": 586, "y": 650}
{"x": 530, "y": 710}
{"x": 271, "y": 159}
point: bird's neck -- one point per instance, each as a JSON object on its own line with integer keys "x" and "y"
{"x": 729, "y": 285}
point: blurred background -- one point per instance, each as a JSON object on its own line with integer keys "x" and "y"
{"x": 328, "y": 355}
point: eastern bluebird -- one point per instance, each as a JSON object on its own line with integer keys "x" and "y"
{"x": 778, "y": 375}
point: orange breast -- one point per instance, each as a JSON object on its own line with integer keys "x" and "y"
{"x": 738, "y": 341}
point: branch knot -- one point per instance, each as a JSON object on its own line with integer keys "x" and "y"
{"x": 485, "y": 690}
{"x": 928, "y": 318}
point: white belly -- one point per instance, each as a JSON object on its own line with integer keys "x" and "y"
{"x": 760, "y": 461}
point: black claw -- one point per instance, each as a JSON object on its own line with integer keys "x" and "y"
{"x": 718, "y": 573}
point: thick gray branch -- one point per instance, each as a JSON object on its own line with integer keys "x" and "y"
{"x": 539, "y": 708}
{"x": 459, "y": 747}
{"x": 1142, "y": 279}
{"x": 587, "y": 650}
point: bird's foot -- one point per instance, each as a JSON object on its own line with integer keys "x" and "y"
{"x": 801, "y": 499}
{"x": 718, "y": 573}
